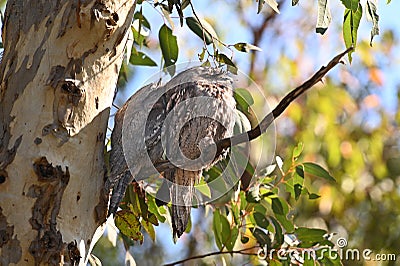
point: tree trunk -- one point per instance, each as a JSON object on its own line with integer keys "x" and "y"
{"x": 58, "y": 76}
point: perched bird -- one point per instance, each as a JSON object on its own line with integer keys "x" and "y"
{"x": 179, "y": 122}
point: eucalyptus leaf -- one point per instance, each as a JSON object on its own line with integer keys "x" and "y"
{"x": 203, "y": 188}
{"x": 141, "y": 59}
{"x": 316, "y": 170}
{"x": 262, "y": 238}
{"x": 128, "y": 223}
{"x": 278, "y": 232}
{"x": 195, "y": 26}
{"x": 261, "y": 220}
{"x": 372, "y": 15}
{"x": 149, "y": 228}
{"x": 260, "y": 6}
{"x": 246, "y": 47}
{"x": 222, "y": 58}
{"x": 243, "y": 99}
{"x": 217, "y": 228}
{"x": 350, "y": 27}
{"x": 324, "y": 16}
{"x": 169, "y": 46}
{"x": 233, "y": 235}
{"x": 312, "y": 196}
{"x": 351, "y": 4}
{"x": 273, "y": 4}
{"x": 297, "y": 150}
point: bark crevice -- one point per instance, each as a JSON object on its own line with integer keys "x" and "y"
{"x": 11, "y": 250}
{"x": 48, "y": 246}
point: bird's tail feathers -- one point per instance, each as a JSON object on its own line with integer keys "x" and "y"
{"x": 118, "y": 192}
{"x": 181, "y": 194}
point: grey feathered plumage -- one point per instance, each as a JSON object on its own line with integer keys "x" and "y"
{"x": 158, "y": 121}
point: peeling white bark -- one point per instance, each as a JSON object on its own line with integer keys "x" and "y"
{"x": 58, "y": 76}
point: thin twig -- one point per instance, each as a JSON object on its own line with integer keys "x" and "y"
{"x": 281, "y": 107}
{"x": 213, "y": 254}
{"x": 267, "y": 121}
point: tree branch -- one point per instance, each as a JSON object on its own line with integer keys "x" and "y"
{"x": 241, "y": 251}
{"x": 267, "y": 121}
{"x": 281, "y": 107}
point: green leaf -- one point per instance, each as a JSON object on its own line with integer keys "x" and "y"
{"x": 148, "y": 227}
{"x": 308, "y": 260}
{"x": 281, "y": 210}
{"x": 297, "y": 150}
{"x": 243, "y": 201}
{"x": 128, "y": 223}
{"x": 140, "y": 28}
{"x": 286, "y": 224}
{"x": 141, "y": 59}
{"x": 243, "y": 99}
{"x": 222, "y": 230}
{"x": 206, "y": 64}
{"x": 318, "y": 171}
{"x": 300, "y": 170}
{"x": 154, "y": 209}
{"x": 201, "y": 55}
{"x": 278, "y": 232}
{"x": 225, "y": 230}
{"x": 275, "y": 263}
{"x": 143, "y": 20}
{"x": 260, "y": 6}
{"x": 236, "y": 213}
{"x": 133, "y": 199}
{"x": 226, "y": 60}
{"x": 310, "y": 236}
{"x": 261, "y": 220}
{"x": 197, "y": 28}
{"x": 143, "y": 207}
{"x": 242, "y": 124}
{"x": 246, "y": 47}
{"x": 152, "y": 218}
{"x": 373, "y": 16}
{"x": 297, "y": 191}
{"x": 328, "y": 257}
{"x": 230, "y": 243}
{"x": 188, "y": 226}
{"x": 169, "y": 45}
{"x": 295, "y": 185}
{"x": 262, "y": 238}
{"x": 351, "y": 4}
{"x": 203, "y": 188}
{"x": 312, "y": 196}
{"x": 217, "y": 228}
{"x": 350, "y": 27}
{"x": 324, "y": 17}
{"x": 277, "y": 207}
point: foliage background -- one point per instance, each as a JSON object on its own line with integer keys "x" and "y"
{"x": 349, "y": 124}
